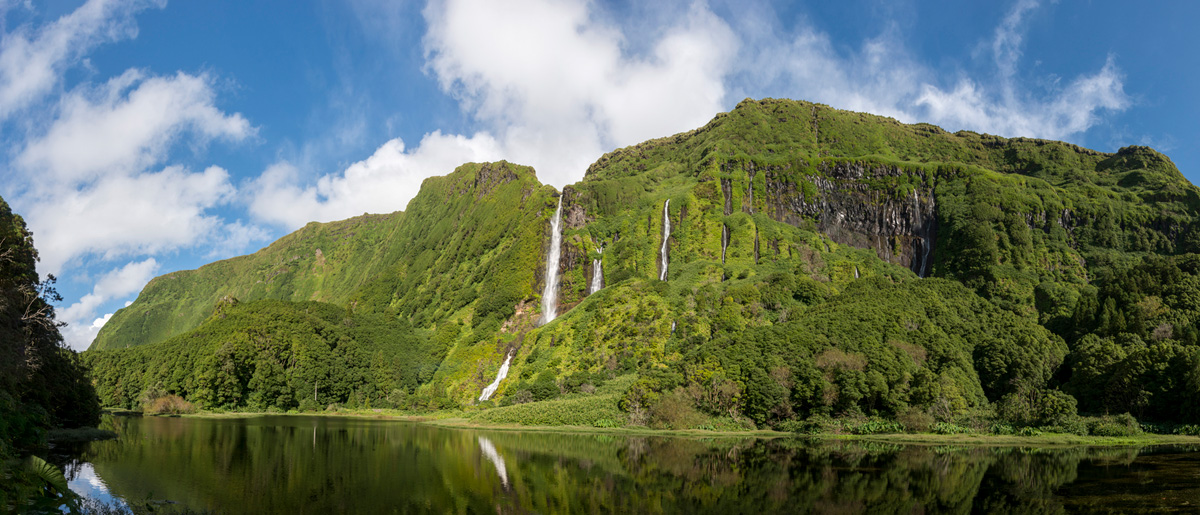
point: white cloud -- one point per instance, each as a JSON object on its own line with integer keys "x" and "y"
{"x": 557, "y": 85}
{"x": 117, "y": 283}
{"x": 127, "y": 125}
{"x": 382, "y": 183}
{"x": 32, "y": 60}
{"x": 883, "y": 78}
{"x": 129, "y": 215}
{"x": 89, "y": 188}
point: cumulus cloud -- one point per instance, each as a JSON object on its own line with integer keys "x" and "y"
{"x": 557, "y": 84}
{"x": 32, "y": 60}
{"x": 90, "y": 187}
{"x": 126, "y": 125}
{"x": 119, "y": 216}
{"x": 382, "y": 183}
{"x": 554, "y": 86}
{"x": 81, "y": 319}
{"x": 882, "y": 77}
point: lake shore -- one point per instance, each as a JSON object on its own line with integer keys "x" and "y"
{"x": 457, "y": 420}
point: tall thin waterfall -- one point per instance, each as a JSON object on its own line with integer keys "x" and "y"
{"x": 724, "y": 240}
{"x": 550, "y": 291}
{"x": 925, "y": 249}
{"x": 662, "y": 274}
{"x": 500, "y": 375}
{"x": 597, "y": 274}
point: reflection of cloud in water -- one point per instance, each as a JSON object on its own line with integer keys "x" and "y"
{"x": 85, "y": 482}
{"x": 489, "y": 450}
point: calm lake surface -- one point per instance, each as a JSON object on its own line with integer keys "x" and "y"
{"x": 291, "y": 464}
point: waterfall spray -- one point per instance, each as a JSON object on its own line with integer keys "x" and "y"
{"x": 662, "y": 274}
{"x": 550, "y": 291}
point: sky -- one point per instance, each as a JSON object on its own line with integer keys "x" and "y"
{"x": 140, "y": 137}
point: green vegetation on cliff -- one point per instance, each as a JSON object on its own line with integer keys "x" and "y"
{"x": 820, "y": 263}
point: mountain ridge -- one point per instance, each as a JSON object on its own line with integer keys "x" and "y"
{"x": 765, "y": 214}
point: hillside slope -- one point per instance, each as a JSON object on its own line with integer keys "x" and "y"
{"x": 780, "y": 218}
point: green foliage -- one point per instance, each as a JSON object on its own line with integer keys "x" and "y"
{"x": 576, "y": 410}
{"x": 1063, "y": 282}
{"x": 270, "y": 354}
{"x": 43, "y": 385}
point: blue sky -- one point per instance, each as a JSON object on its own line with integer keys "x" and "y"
{"x": 146, "y": 136}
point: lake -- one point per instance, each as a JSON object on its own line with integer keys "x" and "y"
{"x": 297, "y": 464}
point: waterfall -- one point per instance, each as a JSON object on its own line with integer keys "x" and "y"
{"x": 489, "y": 450}
{"x": 550, "y": 291}
{"x": 597, "y": 274}
{"x": 500, "y": 375}
{"x": 856, "y": 271}
{"x": 724, "y": 241}
{"x": 662, "y": 274}
{"x": 925, "y": 249}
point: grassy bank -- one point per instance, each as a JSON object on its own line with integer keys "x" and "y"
{"x": 498, "y": 419}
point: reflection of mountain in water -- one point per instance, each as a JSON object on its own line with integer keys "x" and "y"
{"x": 270, "y": 465}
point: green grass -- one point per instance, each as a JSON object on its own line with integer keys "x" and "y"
{"x": 581, "y": 410}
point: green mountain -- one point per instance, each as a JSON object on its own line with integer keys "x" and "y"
{"x": 784, "y": 261}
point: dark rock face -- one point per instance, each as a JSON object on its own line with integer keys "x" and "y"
{"x": 492, "y": 175}
{"x": 574, "y": 214}
{"x": 901, "y": 228}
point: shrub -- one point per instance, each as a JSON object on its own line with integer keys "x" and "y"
{"x": 915, "y": 420}
{"x": 674, "y": 410}
{"x": 943, "y": 428}
{"x": 1190, "y": 430}
{"x": 1120, "y": 425}
{"x": 169, "y": 405}
{"x": 1001, "y": 429}
{"x": 875, "y": 426}
{"x": 308, "y": 404}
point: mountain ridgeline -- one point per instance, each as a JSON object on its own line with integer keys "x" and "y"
{"x": 786, "y": 261}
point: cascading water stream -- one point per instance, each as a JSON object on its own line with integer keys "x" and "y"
{"x": 550, "y": 291}
{"x": 724, "y": 241}
{"x": 662, "y": 274}
{"x": 500, "y": 375}
{"x": 597, "y": 274}
{"x": 926, "y": 248}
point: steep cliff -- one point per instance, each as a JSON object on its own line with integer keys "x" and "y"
{"x": 774, "y": 212}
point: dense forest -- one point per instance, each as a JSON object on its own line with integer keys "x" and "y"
{"x": 823, "y": 270}
{"x": 43, "y": 384}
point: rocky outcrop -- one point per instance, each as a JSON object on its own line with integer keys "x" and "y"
{"x": 492, "y": 175}
{"x": 899, "y": 223}
{"x": 575, "y": 215}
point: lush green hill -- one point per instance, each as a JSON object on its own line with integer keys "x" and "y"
{"x": 819, "y": 262}
{"x": 426, "y": 265}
